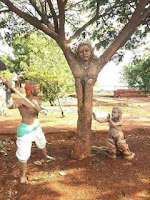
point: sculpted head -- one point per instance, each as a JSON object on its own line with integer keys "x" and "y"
{"x": 32, "y": 88}
{"x": 116, "y": 113}
{"x": 85, "y": 51}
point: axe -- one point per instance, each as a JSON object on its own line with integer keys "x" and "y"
{"x": 2, "y": 68}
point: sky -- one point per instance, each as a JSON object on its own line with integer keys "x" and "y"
{"x": 110, "y": 76}
{"x": 5, "y": 49}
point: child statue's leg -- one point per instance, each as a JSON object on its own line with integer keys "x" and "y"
{"x": 123, "y": 147}
{"x": 111, "y": 148}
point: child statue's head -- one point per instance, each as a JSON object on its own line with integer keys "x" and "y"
{"x": 116, "y": 113}
{"x": 32, "y": 88}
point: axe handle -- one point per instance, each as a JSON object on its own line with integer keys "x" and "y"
{"x": 17, "y": 92}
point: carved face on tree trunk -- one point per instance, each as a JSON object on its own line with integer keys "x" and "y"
{"x": 84, "y": 53}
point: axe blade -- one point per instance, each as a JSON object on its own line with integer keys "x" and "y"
{"x": 2, "y": 66}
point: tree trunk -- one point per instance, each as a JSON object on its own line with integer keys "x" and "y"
{"x": 84, "y": 90}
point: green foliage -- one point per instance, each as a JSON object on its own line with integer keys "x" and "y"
{"x": 7, "y": 73}
{"x": 137, "y": 74}
{"x": 48, "y": 85}
{"x": 51, "y": 86}
{"x": 40, "y": 59}
{"x": 114, "y": 15}
{"x": 37, "y": 49}
{"x": 11, "y": 24}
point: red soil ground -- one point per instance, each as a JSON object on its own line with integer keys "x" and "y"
{"x": 95, "y": 178}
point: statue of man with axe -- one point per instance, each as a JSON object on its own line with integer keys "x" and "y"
{"x": 29, "y": 130}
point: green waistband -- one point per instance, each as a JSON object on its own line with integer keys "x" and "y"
{"x": 24, "y": 129}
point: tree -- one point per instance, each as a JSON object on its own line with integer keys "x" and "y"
{"x": 137, "y": 74}
{"x": 35, "y": 49}
{"x": 51, "y": 17}
{"x": 51, "y": 86}
{"x": 6, "y": 73}
{"x": 35, "y": 60}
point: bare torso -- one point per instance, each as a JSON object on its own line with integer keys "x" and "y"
{"x": 115, "y": 131}
{"x": 28, "y": 113}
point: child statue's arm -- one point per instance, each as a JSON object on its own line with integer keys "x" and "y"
{"x": 114, "y": 124}
{"x": 99, "y": 120}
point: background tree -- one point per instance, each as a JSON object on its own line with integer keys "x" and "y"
{"x": 115, "y": 20}
{"x": 6, "y": 74}
{"x": 137, "y": 74}
{"x": 51, "y": 86}
{"x": 35, "y": 49}
{"x": 34, "y": 59}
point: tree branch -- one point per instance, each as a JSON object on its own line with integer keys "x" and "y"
{"x": 4, "y": 11}
{"x": 73, "y": 5}
{"x": 97, "y": 8}
{"x": 33, "y": 3}
{"x": 65, "y": 2}
{"x": 31, "y": 20}
{"x": 83, "y": 28}
{"x": 145, "y": 15}
{"x": 54, "y": 15}
{"x": 136, "y": 19}
{"x": 41, "y": 14}
{"x": 91, "y": 21}
{"x": 61, "y": 8}
{"x": 42, "y": 6}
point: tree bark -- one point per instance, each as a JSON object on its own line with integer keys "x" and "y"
{"x": 84, "y": 90}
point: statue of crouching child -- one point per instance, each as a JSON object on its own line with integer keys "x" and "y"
{"x": 116, "y": 140}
